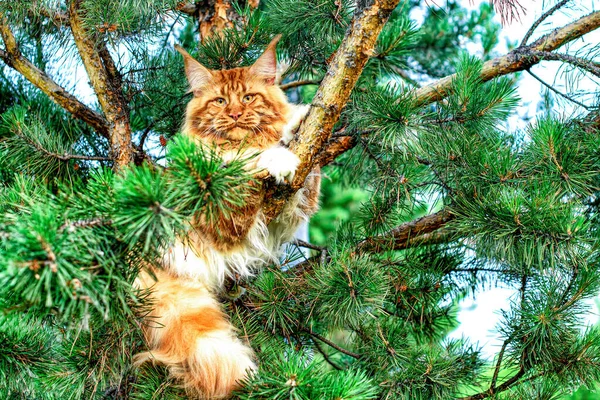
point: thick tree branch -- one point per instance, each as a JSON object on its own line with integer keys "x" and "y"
{"x": 14, "y": 59}
{"x": 401, "y": 236}
{"x": 333, "y": 94}
{"x": 519, "y": 59}
{"x": 107, "y": 84}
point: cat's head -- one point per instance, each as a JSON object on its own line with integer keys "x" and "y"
{"x": 235, "y": 106}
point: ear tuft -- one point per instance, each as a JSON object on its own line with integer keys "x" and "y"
{"x": 266, "y": 65}
{"x": 197, "y": 74}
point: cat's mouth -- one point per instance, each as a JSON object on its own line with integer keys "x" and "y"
{"x": 238, "y": 130}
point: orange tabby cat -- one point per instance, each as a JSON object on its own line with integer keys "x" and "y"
{"x": 239, "y": 111}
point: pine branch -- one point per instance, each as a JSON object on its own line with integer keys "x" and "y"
{"x": 400, "y": 237}
{"x": 107, "y": 85}
{"x": 519, "y": 59}
{"x": 13, "y": 58}
{"x": 587, "y": 65}
{"x": 62, "y": 157}
{"x": 295, "y": 84}
{"x": 542, "y": 19}
{"x": 334, "y": 92}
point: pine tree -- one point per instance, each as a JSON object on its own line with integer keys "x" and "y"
{"x": 411, "y": 130}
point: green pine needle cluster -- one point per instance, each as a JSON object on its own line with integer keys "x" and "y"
{"x": 366, "y": 313}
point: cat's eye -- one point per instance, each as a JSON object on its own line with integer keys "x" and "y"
{"x": 221, "y": 101}
{"x": 248, "y": 98}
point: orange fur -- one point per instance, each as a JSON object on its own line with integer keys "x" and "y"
{"x": 188, "y": 332}
{"x": 238, "y": 110}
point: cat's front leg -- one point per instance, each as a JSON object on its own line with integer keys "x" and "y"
{"x": 295, "y": 118}
{"x": 280, "y": 162}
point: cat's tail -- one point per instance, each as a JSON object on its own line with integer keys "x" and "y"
{"x": 188, "y": 333}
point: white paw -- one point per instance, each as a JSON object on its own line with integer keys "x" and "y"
{"x": 295, "y": 119}
{"x": 280, "y": 162}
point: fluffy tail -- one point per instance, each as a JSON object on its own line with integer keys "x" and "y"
{"x": 188, "y": 332}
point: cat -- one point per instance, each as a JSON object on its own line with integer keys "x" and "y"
{"x": 242, "y": 112}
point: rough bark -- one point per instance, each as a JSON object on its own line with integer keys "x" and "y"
{"x": 333, "y": 94}
{"x": 107, "y": 84}
{"x": 213, "y": 15}
{"x": 14, "y": 59}
{"x": 401, "y": 236}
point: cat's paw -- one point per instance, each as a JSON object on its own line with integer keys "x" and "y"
{"x": 280, "y": 162}
{"x": 298, "y": 113}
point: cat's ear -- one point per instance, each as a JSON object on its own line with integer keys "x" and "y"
{"x": 266, "y": 65}
{"x": 197, "y": 74}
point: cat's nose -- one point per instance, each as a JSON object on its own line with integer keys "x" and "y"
{"x": 235, "y": 115}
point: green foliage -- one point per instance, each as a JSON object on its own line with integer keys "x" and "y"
{"x": 292, "y": 375}
{"x": 346, "y": 321}
{"x": 127, "y": 17}
{"x": 444, "y": 29}
{"x": 311, "y": 30}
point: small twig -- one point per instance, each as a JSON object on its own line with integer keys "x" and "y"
{"x": 292, "y": 85}
{"x": 63, "y": 157}
{"x": 523, "y": 289}
{"x": 541, "y": 19}
{"x": 325, "y": 356}
{"x": 557, "y": 91}
{"x": 330, "y": 343}
{"x": 587, "y": 65}
{"x": 498, "y": 364}
{"x": 514, "y": 380}
{"x": 563, "y": 299}
{"x": 398, "y": 236}
{"x": 302, "y": 243}
{"x": 475, "y": 270}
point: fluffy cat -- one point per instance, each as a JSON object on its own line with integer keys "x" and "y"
{"x": 237, "y": 110}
